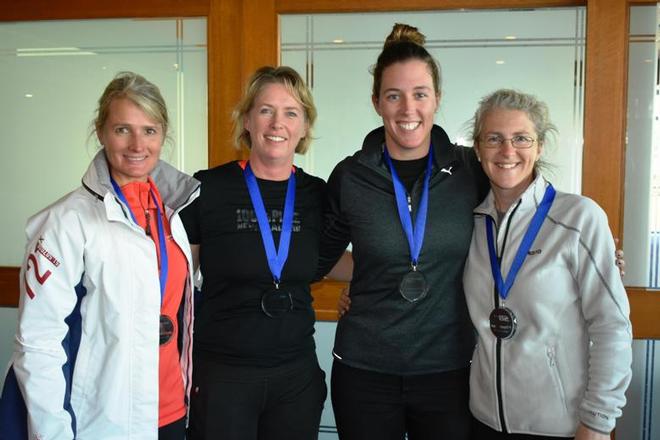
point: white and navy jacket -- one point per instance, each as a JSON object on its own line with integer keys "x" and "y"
{"x": 87, "y": 345}
{"x": 569, "y": 360}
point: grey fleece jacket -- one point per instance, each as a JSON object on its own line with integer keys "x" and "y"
{"x": 569, "y": 360}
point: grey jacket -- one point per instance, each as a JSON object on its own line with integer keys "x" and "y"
{"x": 569, "y": 360}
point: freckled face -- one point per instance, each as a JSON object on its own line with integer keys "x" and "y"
{"x": 510, "y": 170}
{"x": 132, "y": 141}
{"x": 407, "y": 103}
{"x": 276, "y": 123}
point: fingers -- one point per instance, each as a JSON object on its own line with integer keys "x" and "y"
{"x": 343, "y": 303}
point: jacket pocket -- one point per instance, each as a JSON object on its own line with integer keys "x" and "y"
{"x": 551, "y": 353}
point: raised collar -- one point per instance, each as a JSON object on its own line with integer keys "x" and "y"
{"x": 174, "y": 186}
{"x": 529, "y": 199}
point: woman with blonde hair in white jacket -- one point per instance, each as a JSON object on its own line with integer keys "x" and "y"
{"x": 103, "y": 346}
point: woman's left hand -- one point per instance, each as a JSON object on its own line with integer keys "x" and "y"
{"x": 584, "y": 433}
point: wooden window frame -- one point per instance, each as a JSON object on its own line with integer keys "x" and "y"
{"x": 243, "y": 35}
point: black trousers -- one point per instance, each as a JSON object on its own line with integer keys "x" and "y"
{"x": 485, "y": 432}
{"x": 370, "y": 405}
{"x": 174, "y": 431}
{"x": 250, "y": 403}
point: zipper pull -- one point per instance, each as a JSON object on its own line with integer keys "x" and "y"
{"x": 147, "y": 229}
{"x": 551, "y": 355}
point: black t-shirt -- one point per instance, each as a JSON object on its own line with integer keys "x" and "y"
{"x": 410, "y": 170}
{"x": 230, "y": 325}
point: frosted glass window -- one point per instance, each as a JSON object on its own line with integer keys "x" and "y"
{"x": 642, "y": 183}
{"x": 53, "y": 73}
{"x": 538, "y": 51}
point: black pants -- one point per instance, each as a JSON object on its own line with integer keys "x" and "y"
{"x": 370, "y": 405}
{"x": 484, "y": 432}
{"x": 173, "y": 431}
{"x": 249, "y": 403}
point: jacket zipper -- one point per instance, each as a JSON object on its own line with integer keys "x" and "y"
{"x": 498, "y": 346}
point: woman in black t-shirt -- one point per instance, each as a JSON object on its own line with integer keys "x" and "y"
{"x": 256, "y": 228}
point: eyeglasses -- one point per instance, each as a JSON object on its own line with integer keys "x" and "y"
{"x": 519, "y": 142}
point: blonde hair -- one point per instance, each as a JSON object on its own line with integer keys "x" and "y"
{"x": 140, "y": 92}
{"x": 295, "y": 85}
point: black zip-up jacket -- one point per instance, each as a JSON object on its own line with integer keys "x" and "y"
{"x": 382, "y": 331}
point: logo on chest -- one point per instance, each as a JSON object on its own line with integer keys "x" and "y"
{"x": 246, "y": 220}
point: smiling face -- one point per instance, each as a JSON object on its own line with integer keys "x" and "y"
{"x": 276, "y": 123}
{"x": 407, "y": 103}
{"x": 132, "y": 141}
{"x": 509, "y": 169}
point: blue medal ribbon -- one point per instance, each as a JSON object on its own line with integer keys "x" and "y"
{"x": 503, "y": 287}
{"x": 276, "y": 257}
{"x": 414, "y": 235}
{"x": 161, "y": 236}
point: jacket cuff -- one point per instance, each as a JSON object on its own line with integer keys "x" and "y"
{"x": 597, "y": 421}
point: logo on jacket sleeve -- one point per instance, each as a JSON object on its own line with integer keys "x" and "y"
{"x": 32, "y": 264}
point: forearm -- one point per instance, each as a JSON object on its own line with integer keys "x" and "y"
{"x": 343, "y": 269}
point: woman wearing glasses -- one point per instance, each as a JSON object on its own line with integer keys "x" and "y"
{"x": 256, "y": 227}
{"x": 545, "y": 296}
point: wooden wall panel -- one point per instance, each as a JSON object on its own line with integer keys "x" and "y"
{"x": 9, "y": 289}
{"x": 605, "y": 107}
{"x": 320, "y": 6}
{"x": 243, "y": 35}
{"x": 24, "y": 10}
{"x": 325, "y": 295}
{"x": 645, "y": 312}
{"x": 224, "y": 76}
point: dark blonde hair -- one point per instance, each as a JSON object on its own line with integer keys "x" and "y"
{"x": 140, "y": 92}
{"x": 292, "y": 81}
{"x": 402, "y": 44}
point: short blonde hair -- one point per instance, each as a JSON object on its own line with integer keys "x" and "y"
{"x": 140, "y": 92}
{"x": 264, "y": 76}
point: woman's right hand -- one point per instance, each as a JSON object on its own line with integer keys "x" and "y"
{"x": 344, "y": 302}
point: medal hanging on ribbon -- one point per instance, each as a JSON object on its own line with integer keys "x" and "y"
{"x": 275, "y": 302}
{"x": 166, "y": 330}
{"x": 503, "y": 322}
{"x": 413, "y": 286}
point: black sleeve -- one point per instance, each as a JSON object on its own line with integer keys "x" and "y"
{"x": 483, "y": 184}
{"x": 190, "y": 216}
{"x": 335, "y": 235}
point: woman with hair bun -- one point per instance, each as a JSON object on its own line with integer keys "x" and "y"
{"x": 405, "y": 202}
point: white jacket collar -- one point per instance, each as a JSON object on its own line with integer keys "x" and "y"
{"x": 529, "y": 199}
{"x": 174, "y": 186}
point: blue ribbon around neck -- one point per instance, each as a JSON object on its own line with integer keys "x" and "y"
{"x": 276, "y": 257}
{"x": 503, "y": 287}
{"x": 164, "y": 263}
{"x": 414, "y": 235}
